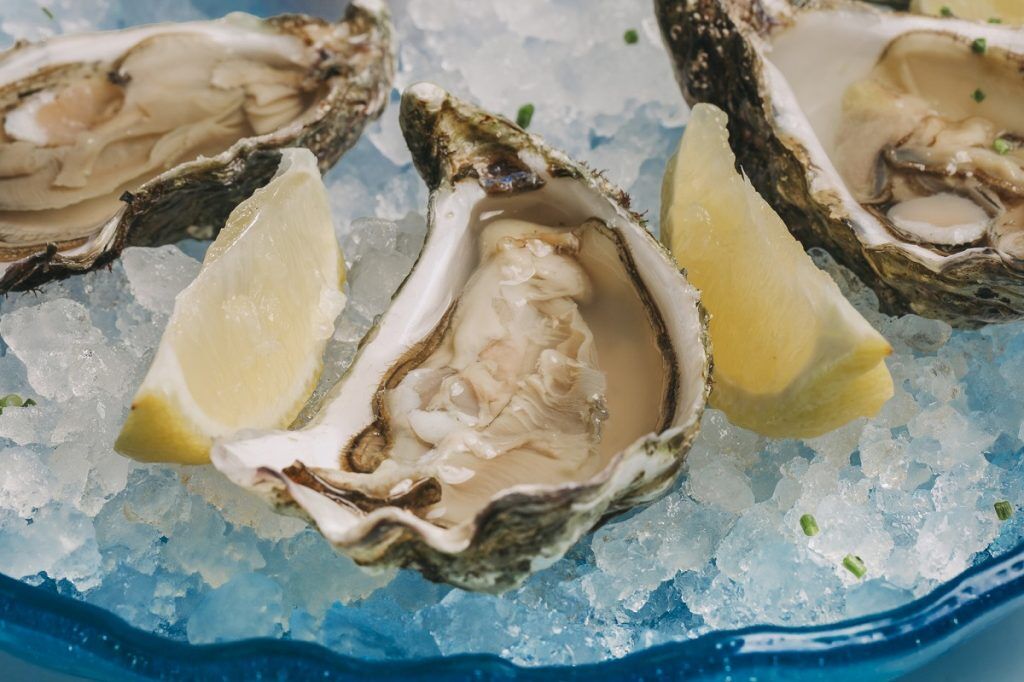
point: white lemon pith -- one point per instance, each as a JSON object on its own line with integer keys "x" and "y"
{"x": 1005, "y": 11}
{"x": 244, "y": 345}
{"x": 792, "y": 357}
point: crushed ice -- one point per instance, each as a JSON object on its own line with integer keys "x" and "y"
{"x": 181, "y": 552}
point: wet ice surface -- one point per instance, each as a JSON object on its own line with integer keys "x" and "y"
{"x": 181, "y": 552}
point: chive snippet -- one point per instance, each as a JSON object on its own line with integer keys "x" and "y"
{"x": 979, "y": 95}
{"x": 631, "y": 36}
{"x": 946, "y": 11}
{"x": 854, "y": 564}
{"x": 48, "y": 12}
{"x": 995, "y": 20}
{"x": 809, "y": 525}
{"x": 14, "y": 400}
{"x": 979, "y": 46}
{"x": 524, "y": 115}
{"x": 1002, "y": 146}
{"x": 1004, "y": 510}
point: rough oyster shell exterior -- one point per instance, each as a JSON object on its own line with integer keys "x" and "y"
{"x": 529, "y": 527}
{"x": 356, "y": 65}
{"x": 717, "y": 50}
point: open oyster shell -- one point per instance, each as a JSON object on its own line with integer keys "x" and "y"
{"x": 892, "y": 140}
{"x": 136, "y": 136}
{"x": 543, "y": 366}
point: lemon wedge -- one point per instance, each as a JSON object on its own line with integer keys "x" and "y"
{"x": 244, "y": 345}
{"x": 1006, "y": 11}
{"x": 792, "y": 357}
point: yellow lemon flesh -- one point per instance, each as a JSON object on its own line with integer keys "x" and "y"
{"x": 792, "y": 357}
{"x": 244, "y": 345}
{"x": 1005, "y": 11}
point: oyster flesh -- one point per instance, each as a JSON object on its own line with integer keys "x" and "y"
{"x": 892, "y": 140}
{"x": 135, "y": 136}
{"x": 543, "y": 366}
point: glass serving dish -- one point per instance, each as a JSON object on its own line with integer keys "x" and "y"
{"x": 67, "y": 635}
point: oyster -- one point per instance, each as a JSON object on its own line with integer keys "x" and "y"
{"x": 135, "y": 136}
{"x": 543, "y": 366}
{"x": 892, "y": 140}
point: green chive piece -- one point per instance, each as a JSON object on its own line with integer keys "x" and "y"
{"x": 15, "y": 400}
{"x": 1004, "y": 510}
{"x": 525, "y": 115}
{"x": 854, "y": 564}
{"x": 48, "y": 13}
{"x": 631, "y": 36}
{"x": 979, "y": 95}
{"x": 1002, "y": 146}
{"x": 809, "y": 525}
{"x": 995, "y": 20}
{"x": 979, "y": 46}
{"x": 946, "y": 11}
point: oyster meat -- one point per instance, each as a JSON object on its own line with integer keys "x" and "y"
{"x": 135, "y": 136}
{"x": 892, "y": 140}
{"x": 543, "y": 366}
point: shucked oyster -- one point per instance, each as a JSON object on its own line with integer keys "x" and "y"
{"x": 543, "y": 366}
{"x": 133, "y": 136}
{"x": 892, "y": 140}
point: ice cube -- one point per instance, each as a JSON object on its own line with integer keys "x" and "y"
{"x": 25, "y": 481}
{"x": 720, "y": 484}
{"x": 157, "y": 275}
{"x": 58, "y": 541}
{"x": 249, "y": 605}
{"x": 64, "y": 354}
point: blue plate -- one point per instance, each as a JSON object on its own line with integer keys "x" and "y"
{"x": 64, "y": 634}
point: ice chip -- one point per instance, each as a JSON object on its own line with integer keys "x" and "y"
{"x": 250, "y": 605}
{"x": 720, "y": 484}
{"x": 157, "y": 275}
{"x": 64, "y": 354}
{"x": 25, "y": 481}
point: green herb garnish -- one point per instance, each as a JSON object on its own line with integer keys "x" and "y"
{"x": 854, "y": 564}
{"x": 1004, "y": 510}
{"x": 525, "y": 115}
{"x": 48, "y": 13}
{"x": 14, "y": 400}
{"x": 946, "y": 11}
{"x": 631, "y": 36}
{"x": 995, "y": 20}
{"x": 979, "y": 95}
{"x": 1002, "y": 146}
{"x": 979, "y": 46}
{"x": 809, "y": 525}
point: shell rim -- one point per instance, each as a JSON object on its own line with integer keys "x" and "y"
{"x": 683, "y": 430}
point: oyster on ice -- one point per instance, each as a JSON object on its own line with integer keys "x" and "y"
{"x": 892, "y": 140}
{"x": 543, "y": 366}
{"x": 135, "y": 136}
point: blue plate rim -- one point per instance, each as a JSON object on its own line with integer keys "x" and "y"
{"x": 64, "y": 633}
